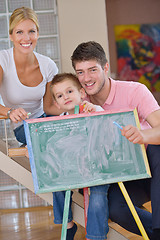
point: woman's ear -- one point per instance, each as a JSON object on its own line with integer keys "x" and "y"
{"x": 83, "y": 93}
{"x": 10, "y": 36}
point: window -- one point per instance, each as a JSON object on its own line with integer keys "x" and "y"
{"x": 48, "y": 43}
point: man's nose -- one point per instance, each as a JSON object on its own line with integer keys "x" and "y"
{"x": 87, "y": 76}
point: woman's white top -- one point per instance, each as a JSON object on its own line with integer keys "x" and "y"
{"x": 14, "y": 94}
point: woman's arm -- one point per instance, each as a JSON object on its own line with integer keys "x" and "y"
{"x": 3, "y": 110}
{"x": 16, "y": 115}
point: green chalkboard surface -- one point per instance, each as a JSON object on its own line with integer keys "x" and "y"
{"x": 83, "y": 150}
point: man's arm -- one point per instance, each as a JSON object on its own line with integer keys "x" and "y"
{"x": 147, "y": 136}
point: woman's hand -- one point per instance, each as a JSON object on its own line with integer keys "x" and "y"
{"x": 18, "y": 115}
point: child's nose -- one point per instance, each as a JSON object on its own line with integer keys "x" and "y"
{"x": 65, "y": 96}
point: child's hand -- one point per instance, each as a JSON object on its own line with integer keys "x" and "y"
{"x": 88, "y": 107}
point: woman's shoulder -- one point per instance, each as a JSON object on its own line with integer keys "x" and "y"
{"x": 45, "y": 61}
{"x": 43, "y": 58}
{"x": 6, "y": 56}
{"x": 47, "y": 65}
{"x": 6, "y": 53}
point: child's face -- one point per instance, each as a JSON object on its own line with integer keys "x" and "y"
{"x": 67, "y": 95}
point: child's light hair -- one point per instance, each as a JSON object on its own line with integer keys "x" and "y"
{"x": 63, "y": 77}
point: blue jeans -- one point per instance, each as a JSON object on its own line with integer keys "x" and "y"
{"x": 20, "y": 134}
{"x": 140, "y": 191}
{"x": 97, "y": 211}
{"x": 58, "y": 206}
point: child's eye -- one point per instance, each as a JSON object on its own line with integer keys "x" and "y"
{"x": 59, "y": 96}
{"x": 70, "y": 91}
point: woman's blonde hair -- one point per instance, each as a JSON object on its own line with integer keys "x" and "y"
{"x": 21, "y": 14}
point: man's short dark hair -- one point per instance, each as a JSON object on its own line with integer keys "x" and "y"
{"x": 89, "y": 51}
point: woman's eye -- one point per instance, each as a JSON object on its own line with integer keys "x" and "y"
{"x": 32, "y": 31}
{"x": 19, "y": 32}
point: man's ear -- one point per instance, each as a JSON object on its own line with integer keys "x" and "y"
{"x": 106, "y": 67}
{"x": 83, "y": 93}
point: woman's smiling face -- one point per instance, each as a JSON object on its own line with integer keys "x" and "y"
{"x": 25, "y": 36}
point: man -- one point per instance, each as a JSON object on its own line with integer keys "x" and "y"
{"x": 90, "y": 64}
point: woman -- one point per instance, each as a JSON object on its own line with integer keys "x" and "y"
{"x": 25, "y": 78}
{"x": 24, "y": 74}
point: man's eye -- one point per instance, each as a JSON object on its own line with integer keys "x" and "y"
{"x": 79, "y": 73}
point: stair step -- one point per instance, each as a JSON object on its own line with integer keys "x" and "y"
{"x": 16, "y": 152}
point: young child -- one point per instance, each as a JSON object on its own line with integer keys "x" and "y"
{"x": 67, "y": 93}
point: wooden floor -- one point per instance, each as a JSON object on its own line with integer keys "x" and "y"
{"x": 32, "y": 224}
{"x": 37, "y": 224}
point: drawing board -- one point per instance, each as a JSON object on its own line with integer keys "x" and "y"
{"x": 82, "y": 150}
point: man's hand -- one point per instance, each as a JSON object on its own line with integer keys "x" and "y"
{"x": 133, "y": 134}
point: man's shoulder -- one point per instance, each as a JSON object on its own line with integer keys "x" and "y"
{"x": 126, "y": 82}
{"x": 128, "y": 85}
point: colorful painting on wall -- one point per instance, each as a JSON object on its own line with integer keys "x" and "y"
{"x": 138, "y": 54}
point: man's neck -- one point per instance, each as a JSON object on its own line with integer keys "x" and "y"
{"x": 101, "y": 97}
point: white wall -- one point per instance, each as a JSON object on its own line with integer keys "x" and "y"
{"x": 80, "y": 21}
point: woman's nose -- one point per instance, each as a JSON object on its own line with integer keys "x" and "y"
{"x": 26, "y": 36}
